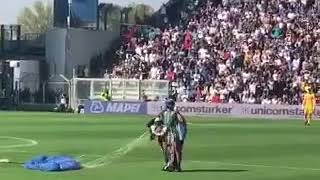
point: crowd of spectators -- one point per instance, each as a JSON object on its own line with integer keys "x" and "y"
{"x": 258, "y": 51}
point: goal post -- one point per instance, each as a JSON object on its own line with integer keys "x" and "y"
{"x": 119, "y": 89}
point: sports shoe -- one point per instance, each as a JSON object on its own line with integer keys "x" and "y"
{"x": 164, "y": 168}
{"x": 167, "y": 168}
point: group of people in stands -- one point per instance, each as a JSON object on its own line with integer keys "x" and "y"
{"x": 257, "y": 52}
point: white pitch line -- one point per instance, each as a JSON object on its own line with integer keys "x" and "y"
{"x": 85, "y": 156}
{"x": 122, "y": 151}
{"x": 28, "y": 142}
{"x": 12, "y": 151}
{"x": 256, "y": 165}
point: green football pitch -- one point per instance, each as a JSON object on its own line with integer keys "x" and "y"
{"x": 116, "y": 147}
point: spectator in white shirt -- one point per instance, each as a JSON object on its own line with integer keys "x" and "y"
{"x": 274, "y": 100}
{"x": 202, "y": 53}
{"x": 154, "y": 72}
{"x": 266, "y": 101}
{"x": 251, "y": 100}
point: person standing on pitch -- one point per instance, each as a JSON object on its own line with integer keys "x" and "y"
{"x": 182, "y": 133}
{"x": 158, "y": 131}
{"x": 170, "y": 119}
{"x": 308, "y": 105}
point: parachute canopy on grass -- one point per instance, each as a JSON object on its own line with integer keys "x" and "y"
{"x": 52, "y": 163}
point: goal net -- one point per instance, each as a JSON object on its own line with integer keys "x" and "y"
{"x": 119, "y": 89}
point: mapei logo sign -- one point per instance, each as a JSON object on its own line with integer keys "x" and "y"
{"x": 96, "y": 107}
{"x": 99, "y": 107}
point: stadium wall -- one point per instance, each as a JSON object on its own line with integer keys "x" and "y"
{"x": 26, "y": 75}
{"x": 68, "y": 48}
{"x": 84, "y": 44}
{"x": 200, "y": 109}
{"x": 55, "y": 51}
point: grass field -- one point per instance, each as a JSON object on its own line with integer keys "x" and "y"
{"x": 113, "y": 147}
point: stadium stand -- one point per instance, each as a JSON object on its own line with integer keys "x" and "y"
{"x": 256, "y": 52}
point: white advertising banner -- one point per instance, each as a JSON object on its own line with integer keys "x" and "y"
{"x": 233, "y": 110}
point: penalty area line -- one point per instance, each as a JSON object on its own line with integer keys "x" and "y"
{"x": 256, "y": 165}
{"x": 122, "y": 151}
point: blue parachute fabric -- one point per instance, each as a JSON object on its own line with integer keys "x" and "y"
{"x": 49, "y": 166}
{"x": 52, "y": 163}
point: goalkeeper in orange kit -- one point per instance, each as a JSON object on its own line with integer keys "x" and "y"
{"x": 309, "y": 102}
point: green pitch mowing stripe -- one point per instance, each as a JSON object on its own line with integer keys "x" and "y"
{"x": 114, "y": 148}
{"x": 122, "y": 151}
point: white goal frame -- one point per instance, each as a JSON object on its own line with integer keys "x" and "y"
{"x": 119, "y": 89}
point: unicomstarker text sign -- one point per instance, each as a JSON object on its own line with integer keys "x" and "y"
{"x": 234, "y": 110}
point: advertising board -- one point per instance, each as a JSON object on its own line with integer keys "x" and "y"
{"x": 234, "y": 110}
{"x": 102, "y": 107}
